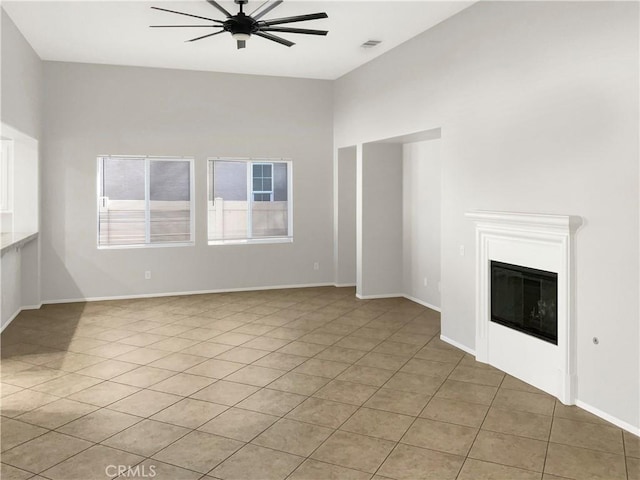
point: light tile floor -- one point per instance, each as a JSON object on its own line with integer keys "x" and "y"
{"x": 298, "y": 384}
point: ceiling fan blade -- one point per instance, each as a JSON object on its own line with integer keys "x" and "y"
{"x": 219, "y": 7}
{"x": 205, "y": 36}
{"x": 294, "y": 30}
{"x": 242, "y": 44}
{"x": 266, "y": 10}
{"x": 183, "y": 26}
{"x": 298, "y": 18}
{"x": 188, "y": 14}
{"x": 273, "y": 38}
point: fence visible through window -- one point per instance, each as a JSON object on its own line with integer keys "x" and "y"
{"x": 145, "y": 201}
{"x": 249, "y": 201}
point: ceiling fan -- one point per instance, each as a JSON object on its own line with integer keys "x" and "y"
{"x": 243, "y": 26}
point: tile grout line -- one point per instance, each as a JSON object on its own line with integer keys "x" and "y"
{"x": 484, "y": 418}
{"x": 318, "y": 325}
{"x": 362, "y": 405}
{"x": 142, "y": 419}
{"x": 358, "y": 407}
{"x": 624, "y": 453}
{"x": 546, "y": 452}
{"x": 101, "y": 442}
{"x": 418, "y": 416}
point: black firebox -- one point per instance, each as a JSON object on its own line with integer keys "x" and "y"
{"x": 525, "y": 299}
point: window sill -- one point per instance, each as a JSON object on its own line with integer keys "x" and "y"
{"x": 253, "y": 241}
{"x": 157, "y": 245}
{"x": 16, "y": 240}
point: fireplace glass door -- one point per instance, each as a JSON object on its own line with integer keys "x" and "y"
{"x": 525, "y": 299}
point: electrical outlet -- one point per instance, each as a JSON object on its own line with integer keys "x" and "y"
{"x": 462, "y": 250}
{"x": 426, "y": 283}
{"x": 316, "y": 266}
{"x": 147, "y": 275}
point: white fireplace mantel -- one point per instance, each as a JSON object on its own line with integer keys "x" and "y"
{"x": 537, "y": 241}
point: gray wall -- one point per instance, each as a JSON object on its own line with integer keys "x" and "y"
{"x": 93, "y": 110}
{"x": 345, "y": 234}
{"x": 21, "y": 109}
{"x": 21, "y": 81}
{"x": 421, "y": 189}
{"x": 380, "y": 241}
{"x": 538, "y": 104}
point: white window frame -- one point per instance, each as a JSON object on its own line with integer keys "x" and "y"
{"x": 250, "y": 161}
{"x": 262, "y": 192}
{"x": 147, "y": 196}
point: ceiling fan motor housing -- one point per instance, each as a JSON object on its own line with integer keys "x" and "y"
{"x": 241, "y": 23}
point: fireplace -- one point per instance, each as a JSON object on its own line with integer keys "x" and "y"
{"x": 525, "y": 320}
{"x": 525, "y": 299}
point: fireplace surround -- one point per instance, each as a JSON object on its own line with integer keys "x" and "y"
{"x": 533, "y": 249}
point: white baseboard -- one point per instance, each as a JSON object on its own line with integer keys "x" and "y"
{"x": 195, "y": 292}
{"x": 32, "y": 307}
{"x": 384, "y": 295}
{"x": 579, "y": 403}
{"x": 609, "y": 418}
{"x": 230, "y": 290}
{"x": 398, "y": 295}
{"x": 585, "y": 406}
{"x": 421, "y": 302}
{"x": 13, "y": 317}
{"x": 464, "y": 348}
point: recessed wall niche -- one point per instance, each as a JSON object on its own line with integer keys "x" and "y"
{"x": 18, "y": 185}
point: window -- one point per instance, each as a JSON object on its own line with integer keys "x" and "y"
{"x": 145, "y": 201}
{"x": 250, "y": 201}
{"x": 262, "y": 182}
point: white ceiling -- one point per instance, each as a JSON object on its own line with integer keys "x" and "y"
{"x": 118, "y": 33}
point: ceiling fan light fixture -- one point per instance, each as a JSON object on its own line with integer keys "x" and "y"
{"x": 241, "y": 36}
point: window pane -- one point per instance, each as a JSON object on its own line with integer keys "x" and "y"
{"x": 123, "y": 178}
{"x": 228, "y": 211}
{"x": 262, "y": 180}
{"x": 280, "y": 182}
{"x": 169, "y": 180}
{"x": 122, "y": 206}
{"x": 270, "y": 214}
{"x": 230, "y": 180}
{"x": 170, "y": 205}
